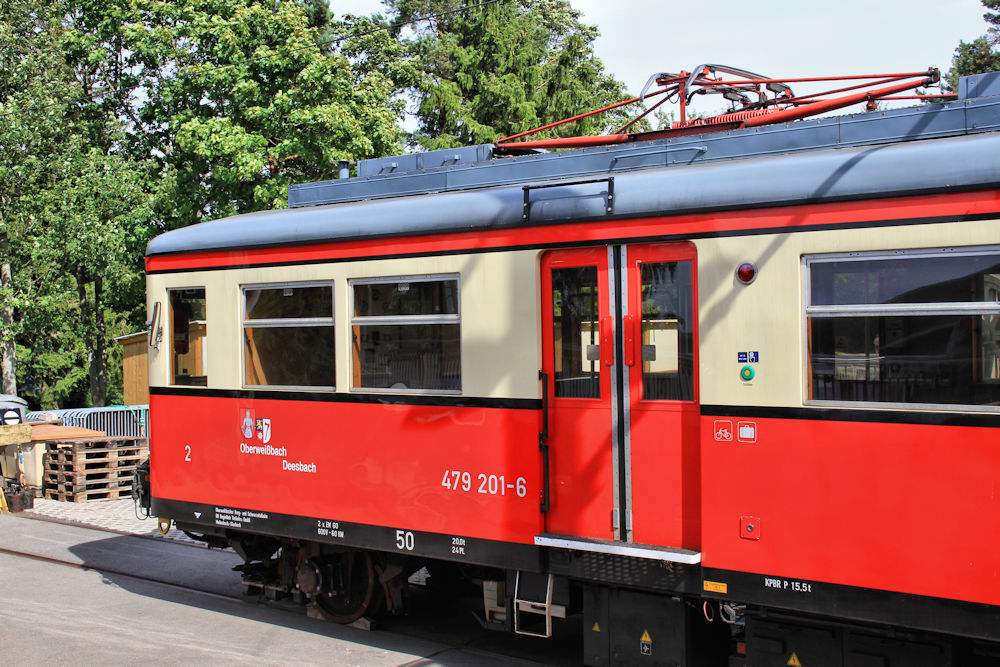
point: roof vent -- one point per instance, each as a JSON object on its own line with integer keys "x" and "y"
{"x": 979, "y": 85}
{"x": 448, "y": 157}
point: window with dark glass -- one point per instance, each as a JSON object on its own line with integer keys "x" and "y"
{"x": 288, "y": 335}
{"x": 576, "y": 332}
{"x": 667, "y": 331}
{"x": 187, "y": 336}
{"x": 406, "y": 334}
{"x": 906, "y": 327}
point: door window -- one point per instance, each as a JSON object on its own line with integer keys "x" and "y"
{"x": 575, "y": 332}
{"x": 667, "y": 331}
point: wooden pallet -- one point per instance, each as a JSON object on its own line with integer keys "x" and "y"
{"x": 108, "y": 478}
{"x": 95, "y": 453}
{"x": 95, "y": 461}
{"x": 92, "y": 468}
{"x": 84, "y": 496}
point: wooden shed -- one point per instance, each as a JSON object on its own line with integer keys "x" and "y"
{"x": 135, "y": 371}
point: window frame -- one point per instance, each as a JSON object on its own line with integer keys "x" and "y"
{"x": 809, "y": 311}
{"x": 287, "y": 323}
{"x": 171, "y": 351}
{"x": 403, "y": 320}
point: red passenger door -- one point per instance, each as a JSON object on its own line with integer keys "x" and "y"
{"x": 620, "y": 356}
{"x": 662, "y": 443}
{"x": 577, "y": 359}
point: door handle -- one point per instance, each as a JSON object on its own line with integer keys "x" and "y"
{"x": 628, "y": 339}
{"x": 607, "y": 343}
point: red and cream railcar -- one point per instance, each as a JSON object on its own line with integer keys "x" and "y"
{"x": 752, "y": 375}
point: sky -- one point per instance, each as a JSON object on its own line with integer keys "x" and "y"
{"x": 776, "y": 38}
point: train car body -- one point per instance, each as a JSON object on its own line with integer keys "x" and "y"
{"x": 753, "y": 374}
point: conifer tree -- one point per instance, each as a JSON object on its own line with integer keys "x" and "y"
{"x": 981, "y": 54}
{"x": 497, "y": 69}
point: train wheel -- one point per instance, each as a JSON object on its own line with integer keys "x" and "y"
{"x": 354, "y": 590}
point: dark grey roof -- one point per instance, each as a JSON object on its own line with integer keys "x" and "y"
{"x": 476, "y": 167}
{"x": 895, "y": 169}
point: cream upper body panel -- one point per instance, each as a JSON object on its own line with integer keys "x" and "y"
{"x": 767, "y": 316}
{"x": 500, "y": 316}
{"x": 500, "y": 310}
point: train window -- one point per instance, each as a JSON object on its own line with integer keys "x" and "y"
{"x": 406, "y": 334}
{"x": 575, "y": 332}
{"x": 907, "y": 327}
{"x": 187, "y": 336}
{"x": 288, "y": 335}
{"x": 667, "y": 334}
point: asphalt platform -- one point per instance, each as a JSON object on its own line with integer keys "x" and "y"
{"x": 120, "y": 516}
{"x": 140, "y": 597}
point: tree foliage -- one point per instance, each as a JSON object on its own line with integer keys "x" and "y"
{"x": 123, "y": 118}
{"x": 981, "y": 54}
{"x": 244, "y": 103}
{"x": 36, "y": 96}
{"x": 503, "y": 68}
{"x": 127, "y": 117}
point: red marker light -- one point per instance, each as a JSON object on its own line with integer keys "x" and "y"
{"x": 746, "y": 272}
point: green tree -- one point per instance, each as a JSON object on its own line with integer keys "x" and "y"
{"x": 64, "y": 177}
{"x": 244, "y": 103}
{"x": 126, "y": 117}
{"x": 92, "y": 222}
{"x": 78, "y": 272}
{"x": 76, "y": 255}
{"x": 981, "y": 54}
{"x": 35, "y": 87}
{"x": 992, "y": 17}
{"x": 498, "y": 69}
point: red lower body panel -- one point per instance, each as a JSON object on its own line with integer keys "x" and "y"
{"x": 459, "y": 470}
{"x": 901, "y": 507}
